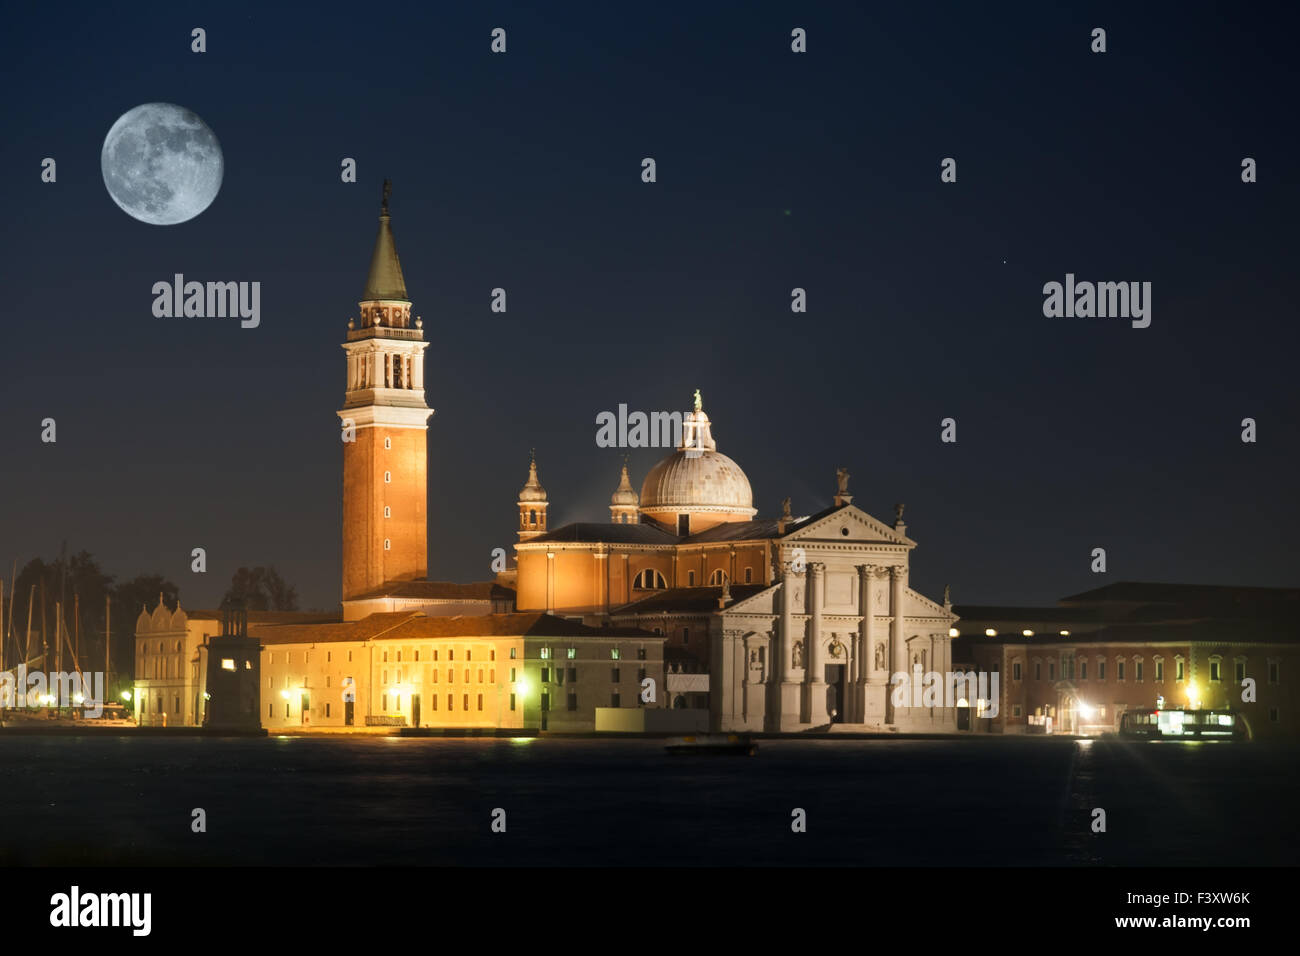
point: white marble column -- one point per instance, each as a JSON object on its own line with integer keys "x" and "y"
{"x": 897, "y": 639}
{"x": 788, "y": 716}
{"x": 866, "y": 637}
{"x": 815, "y": 653}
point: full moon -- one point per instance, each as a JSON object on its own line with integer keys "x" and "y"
{"x": 161, "y": 164}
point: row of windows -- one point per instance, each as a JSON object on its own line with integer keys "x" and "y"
{"x": 572, "y": 653}
{"x": 329, "y": 655}
{"x": 433, "y": 702}
{"x": 451, "y": 675}
{"x": 451, "y": 654}
{"x": 571, "y": 674}
{"x": 1068, "y": 670}
{"x": 652, "y": 580}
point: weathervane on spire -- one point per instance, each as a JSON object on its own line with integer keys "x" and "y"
{"x": 388, "y": 191}
{"x": 699, "y": 402}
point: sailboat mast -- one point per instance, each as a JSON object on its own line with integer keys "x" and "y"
{"x": 31, "y": 599}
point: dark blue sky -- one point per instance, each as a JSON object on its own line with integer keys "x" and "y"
{"x": 775, "y": 170}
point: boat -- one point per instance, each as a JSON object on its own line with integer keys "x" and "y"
{"x": 734, "y": 744}
{"x": 1180, "y": 724}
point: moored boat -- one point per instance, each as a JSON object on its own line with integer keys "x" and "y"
{"x": 733, "y": 744}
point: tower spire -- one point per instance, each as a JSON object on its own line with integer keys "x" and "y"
{"x": 385, "y": 281}
{"x": 623, "y": 502}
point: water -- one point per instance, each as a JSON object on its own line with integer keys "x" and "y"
{"x": 949, "y": 802}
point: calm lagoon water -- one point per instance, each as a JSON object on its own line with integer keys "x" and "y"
{"x": 964, "y": 801}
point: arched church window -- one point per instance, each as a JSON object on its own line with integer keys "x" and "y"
{"x": 650, "y": 580}
{"x": 718, "y": 578}
{"x": 398, "y": 363}
{"x": 532, "y": 517}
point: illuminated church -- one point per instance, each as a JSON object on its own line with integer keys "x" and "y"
{"x": 775, "y": 624}
{"x": 731, "y": 620}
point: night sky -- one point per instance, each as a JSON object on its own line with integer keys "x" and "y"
{"x": 775, "y": 170}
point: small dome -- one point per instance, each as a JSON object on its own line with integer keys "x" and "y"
{"x": 532, "y": 490}
{"x": 624, "y": 494}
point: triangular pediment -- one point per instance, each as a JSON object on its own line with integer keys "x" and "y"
{"x": 860, "y": 525}
{"x": 761, "y": 603}
{"x": 918, "y": 605}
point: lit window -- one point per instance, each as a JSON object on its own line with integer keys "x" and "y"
{"x": 614, "y": 653}
{"x": 227, "y": 663}
{"x": 573, "y": 652}
{"x": 546, "y": 653}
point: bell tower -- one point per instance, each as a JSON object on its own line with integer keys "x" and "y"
{"x": 385, "y": 451}
{"x": 532, "y": 504}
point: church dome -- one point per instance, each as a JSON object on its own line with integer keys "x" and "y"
{"x": 700, "y": 481}
{"x": 697, "y": 480}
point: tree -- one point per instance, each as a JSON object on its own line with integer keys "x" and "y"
{"x": 262, "y": 589}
